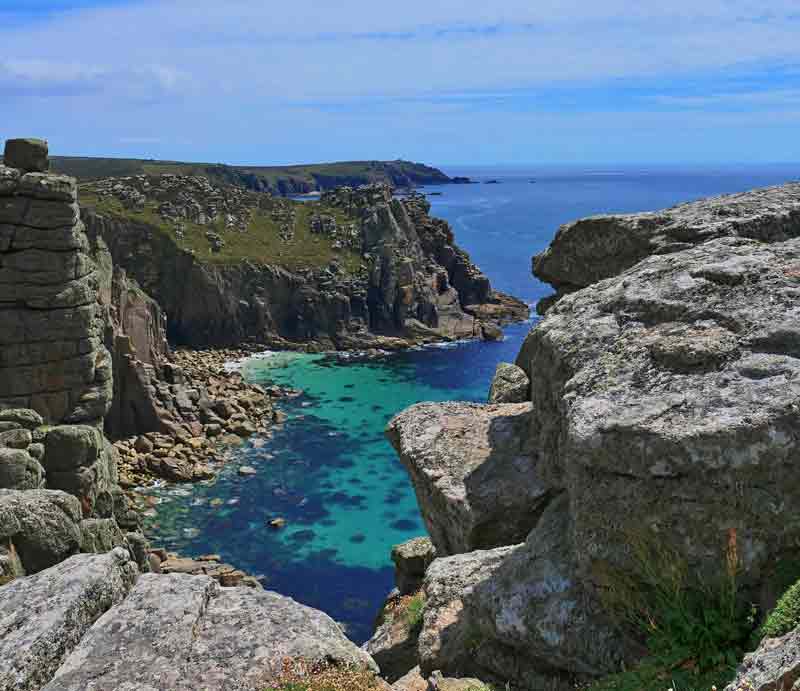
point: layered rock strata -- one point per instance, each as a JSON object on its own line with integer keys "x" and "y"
{"x": 52, "y": 357}
{"x": 662, "y": 410}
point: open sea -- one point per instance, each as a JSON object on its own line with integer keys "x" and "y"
{"x": 329, "y": 471}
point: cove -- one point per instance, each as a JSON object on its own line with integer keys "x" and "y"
{"x": 328, "y": 471}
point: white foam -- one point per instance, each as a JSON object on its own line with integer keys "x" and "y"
{"x": 237, "y": 365}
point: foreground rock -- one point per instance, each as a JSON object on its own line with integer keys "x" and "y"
{"x": 592, "y": 249}
{"x": 663, "y": 411}
{"x": 199, "y": 635}
{"x": 42, "y": 618}
{"x": 474, "y": 471}
{"x": 773, "y": 667}
{"x": 509, "y": 385}
{"x": 411, "y": 561}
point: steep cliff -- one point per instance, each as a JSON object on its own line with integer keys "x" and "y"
{"x": 663, "y": 410}
{"x": 358, "y": 269}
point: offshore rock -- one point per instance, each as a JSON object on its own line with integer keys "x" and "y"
{"x": 474, "y": 472}
{"x": 43, "y": 617}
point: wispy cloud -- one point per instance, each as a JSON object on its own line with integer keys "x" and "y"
{"x": 260, "y": 73}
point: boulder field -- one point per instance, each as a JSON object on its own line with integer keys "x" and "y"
{"x": 662, "y": 403}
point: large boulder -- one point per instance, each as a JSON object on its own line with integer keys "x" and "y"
{"x": 184, "y": 633}
{"x": 447, "y": 640}
{"x": 474, "y": 472}
{"x": 40, "y": 526}
{"x": 592, "y": 249}
{"x": 43, "y": 617}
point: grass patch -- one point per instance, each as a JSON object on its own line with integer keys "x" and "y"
{"x": 261, "y": 243}
{"x": 415, "y": 611}
{"x": 696, "y": 632}
{"x": 300, "y": 676}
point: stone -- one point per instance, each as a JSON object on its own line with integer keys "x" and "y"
{"x": 29, "y": 419}
{"x": 9, "y": 180}
{"x": 48, "y": 187}
{"x": 438, "y": 682}
{"x": 16, "y": 439}
{"x": 43, "y": 526}
{"x": 43, "y": 617}
{"x": 19, "y": 470}
{"x": 30, "y": 155}
{"x": 474, "y": 471}
{"x": 100, "y": 535}
{"x": 413, "y": 681}
{"x": 411, "y": 560}
{"x": 445, "y": 642}
{"x": 393, "y": 646}
{"x": 246, "y": 470}
{"x": 199, "y": 635}
{"x": 775, "y": 665}
{"x": 509, "y": 385}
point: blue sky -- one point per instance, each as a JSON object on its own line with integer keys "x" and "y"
{"x": 442, "y": 81}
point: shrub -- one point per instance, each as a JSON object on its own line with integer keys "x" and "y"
{"x": 785, "y": 616}
{"x": 684, "y": 621}
{"x": 415, "y": 609}
{"x": 298, "y": 675}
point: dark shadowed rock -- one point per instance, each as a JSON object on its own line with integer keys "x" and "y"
{"x": 43, "y": 617}
{"x": 30, "y": 155}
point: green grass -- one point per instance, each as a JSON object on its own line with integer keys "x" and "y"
{"x": 653, "y": 675}
{"x": 261, "y": 243}
{"x": 319, "y": 176}
{"x": 414, "y": 612}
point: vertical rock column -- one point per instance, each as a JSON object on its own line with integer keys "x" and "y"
{"x": 52, "y": 357}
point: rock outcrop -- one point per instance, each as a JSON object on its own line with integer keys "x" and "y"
{"x": 394, "y": 278}
{"x": 663, "y": 407}
{"x": 43, "y": 618}
{"x": 84, "y": 625}
{"x": 773, "y": 667}
{"x": 510, "y": 384}
{"x": 52, "y": 357}
{"x": 474, "y": 472}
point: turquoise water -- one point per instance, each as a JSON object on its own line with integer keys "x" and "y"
{"x": 328, "y": 471}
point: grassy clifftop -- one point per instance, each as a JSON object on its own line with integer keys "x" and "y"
{"x": 225, "y": 225}
{"x": 282, "y": 180}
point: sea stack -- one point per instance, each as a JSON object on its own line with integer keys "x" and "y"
{"x": 52, "y": 357}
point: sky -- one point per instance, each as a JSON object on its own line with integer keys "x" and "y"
{"x": 440, "y": 81}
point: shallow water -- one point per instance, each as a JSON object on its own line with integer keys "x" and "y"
{"x": 329, "y": 471}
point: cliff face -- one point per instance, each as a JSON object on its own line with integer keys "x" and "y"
{"x": 52, "y": 358}
{"x": 662, "y": 409}
{"x": 392, "y": 275}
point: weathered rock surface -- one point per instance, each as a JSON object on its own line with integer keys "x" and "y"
{"x": 393, "y": 646}
{"x": 474, "y": 471}
{"x": 438, "y": 682}
{"x": 447, "y": 641}
{"x": 411, "y": 560}
{"x": 198, "y": 635}
{"x": 663, "y": 408}
{"x": 773, "y": 667}
{"x": 510, "y": 385}
{"x": 413, "y": 681}
{"x": 43, "y": 617}
{"x": 51, "y": 354}
{"x": 591, "y": 249}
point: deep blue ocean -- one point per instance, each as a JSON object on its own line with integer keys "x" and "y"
{"x": 328, "y": 471}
